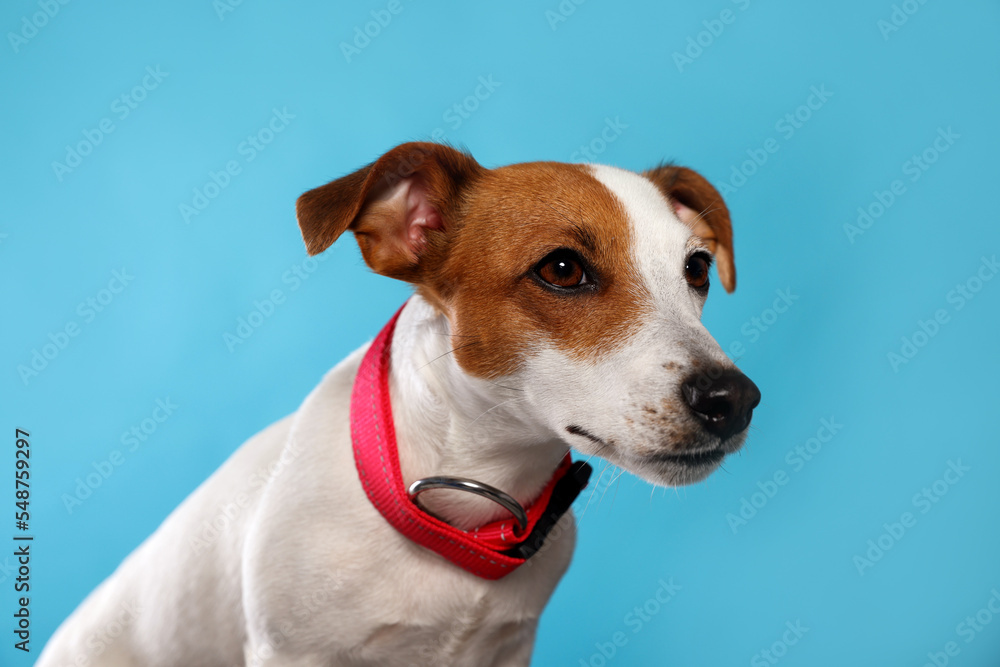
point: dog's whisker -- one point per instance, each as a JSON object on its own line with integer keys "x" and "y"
{"x": 597, "y": 483}
{"x": 509, "y": 400}
{"x": 593, "y": 489}
{"x": 601, "y": 446}
{"x": 616, "y": 480}
{"x": 452, "y": 350}
{"x": 618, "y": 483}
{"x": 705, "y": 211}
{"x": 611, "y": 474}
{"x": 497, "y": 384}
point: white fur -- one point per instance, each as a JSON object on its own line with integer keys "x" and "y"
{"x": 279, "y": 559}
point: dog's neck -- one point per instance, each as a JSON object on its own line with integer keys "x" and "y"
{"x": 450, "y": 423}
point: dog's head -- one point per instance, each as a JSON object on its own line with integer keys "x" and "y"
{"x": 583, "y": 284}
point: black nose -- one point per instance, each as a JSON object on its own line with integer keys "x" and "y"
{"x": 723, "y": 399}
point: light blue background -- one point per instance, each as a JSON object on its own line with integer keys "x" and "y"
{"x": 826, "y": 357}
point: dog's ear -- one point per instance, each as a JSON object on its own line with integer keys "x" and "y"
{"x": 398, "y": 206}
{"x": 700, "y": 206}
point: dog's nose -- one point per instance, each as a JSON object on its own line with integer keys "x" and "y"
{"x": 722, "y": 399}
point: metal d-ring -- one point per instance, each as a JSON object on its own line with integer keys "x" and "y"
{"x": 479, "y": 489}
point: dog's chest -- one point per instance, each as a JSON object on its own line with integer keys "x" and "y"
{"x": 399, "y": 604}
{"x": 482, "y": 632}
{"x": 328, "y": 576}
{"x": 415, "y": 602}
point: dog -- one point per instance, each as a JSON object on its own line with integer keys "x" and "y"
{"x": 556, "y": 307}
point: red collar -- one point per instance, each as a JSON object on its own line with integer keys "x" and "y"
{"x": 491, "y": 551}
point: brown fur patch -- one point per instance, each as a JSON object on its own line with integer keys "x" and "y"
{"x": 478, "y": 267}
{"x": 352, "y": 202}
{"x": 512, "y": 219}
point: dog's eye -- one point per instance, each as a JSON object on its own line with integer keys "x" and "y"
{"x": 562, "y": 268}
{"x": 696, "y": 270}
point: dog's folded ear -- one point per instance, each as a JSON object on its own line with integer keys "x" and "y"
{"x": 700, "y": 206}
{"x": 400, "y": 207}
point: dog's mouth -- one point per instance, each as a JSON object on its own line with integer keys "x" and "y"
{"x": 679, "y": 469}
{"x": 711, "y": 457}
{"x": 660, "y": 467}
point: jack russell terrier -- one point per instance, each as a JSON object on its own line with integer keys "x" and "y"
{"x": 556, "y": 307}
